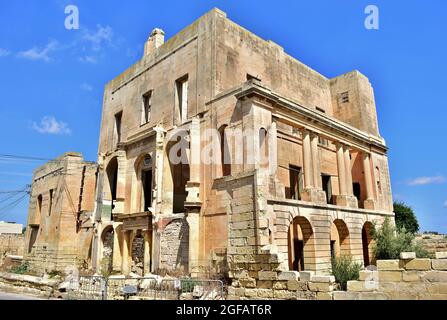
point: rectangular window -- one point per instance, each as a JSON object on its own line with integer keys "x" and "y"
{"x": 50, "y": 203}
{"x": 323, "y": 142}
{"x": 344, "y": 97}
{"x": 296, "y": 182}
{"x": 118, "y": 117}
{"x": 182, "y": 97}
{"x": 146, "y": 109}
{"x": 327, "y": 187}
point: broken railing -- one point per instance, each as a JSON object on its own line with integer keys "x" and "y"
{"x": 144, "y": 288}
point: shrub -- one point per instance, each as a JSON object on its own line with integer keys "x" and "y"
{"x": 389, "y": 242}
{"x": 22, "y": 269}
{"x": 345, "y": 269}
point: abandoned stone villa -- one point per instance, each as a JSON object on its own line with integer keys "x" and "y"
{"x": 295, "y": 171}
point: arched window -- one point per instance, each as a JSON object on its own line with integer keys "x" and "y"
{"x": 340, "y": 244}
{"x": 225, "y": 157}
{"x": 146, "y": 183}
{"x": 301, "y": 253}
{"x": 368, "y": 243}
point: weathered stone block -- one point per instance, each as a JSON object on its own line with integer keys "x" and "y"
{"x": 289, "y": 275}
{"x": 407, "y": 255}
{"x": 373, "y": 296}
{"x": 265, "y": 293}
{"x": 324, "y": 295}
{"x": 439, "y": 264}
{"x": 306, "y": 275}
{"x": 435, "y": 276}
{"x": 388, "y": 265}
{"x": 394, "y": 276}
{"x": 343, "y": 295}
{"x": 437, "y": 288}
{"x": 368, "y": 275}
{"x": 295, "y": 285}
{"x": 358, "y": 286}
{"x": 280, "y": 285}
{"x": 418, "y": 264}
{"x": 267, "y": 275}
{"x": 247, "y": 283}
{"x": 265, "y": 284}
{"x": 284, "y": 294}
{"x": 441, "y": 255}
{"x": 410, "y": 276}
{"x": 320, "y": 286}
{"x": 328, "y": 279}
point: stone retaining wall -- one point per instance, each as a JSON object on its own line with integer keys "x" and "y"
{"x": 403, "y": 279}
{"x": 25, "y": 284}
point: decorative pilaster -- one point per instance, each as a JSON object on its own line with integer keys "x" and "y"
{"x": 369, "y": 203}
{"x": 125, "y": 257}
{"x": 147, "y": 251}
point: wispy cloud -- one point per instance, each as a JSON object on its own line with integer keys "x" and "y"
{"x": 4, "y": 52}
{"x": 86, "y": 87}
{"x": 99, "y": 37}
{"x": 88, "y": 59}
{"x": 420, "y": 181}
{"x": 37, "y": 53}
{"x": 49, "y": 125}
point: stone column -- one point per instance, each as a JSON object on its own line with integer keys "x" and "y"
{"x": 125, "y": 257}
{"x": 348, "y": 171}
{"x": 307, "y": 161}
{"x": 316, "y": 174}
{"x": 116, "y": 255}
{"x": 193, "y": 185}
{"x": 193, "y": 220}
{"x": 147, "y": 252}
{"x": 159, "y": 156}
{"x": 341, "y": 170}
{"x": 369, "y": 203}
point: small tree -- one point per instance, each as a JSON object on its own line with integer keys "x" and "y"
{"x": 345, "y": 269}
{"x": 405, "y": 217}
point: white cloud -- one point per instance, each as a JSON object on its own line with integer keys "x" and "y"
{"x": 49, "y": 125}
{"x": 99, "y": 37}
{"x": 420, "y": 181}
{"x": 86, "y": 87}
{"x": 39, "y": 53}
{"x": 89, "y": 59}
{"x": 4, "y": 53}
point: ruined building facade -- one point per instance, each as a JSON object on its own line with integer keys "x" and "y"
{"x": 307, "y": 175}
{"x": 60, "y": 226}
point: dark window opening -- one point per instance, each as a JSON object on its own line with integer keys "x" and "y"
{"x": 146, "y": 116}
{"x": 332, "y": 248}
{"x": 50, "y": 204}
{"x": 182, "y": 97}
{"x": 327, "y": 187}
{"x": 146, "y": 180}
{"x": 357, "y": 190}
{"x": 344, "y": 97}
{"x": 296, "y": 182}
{"x": 320, "y": 110}
{"x": 118, "y": 117}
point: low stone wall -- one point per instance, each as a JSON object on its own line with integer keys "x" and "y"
{"x": 403, "y": 279}
{"x": 433, "y": 242}
{"x": 281, "y": 285}
{"x": 25, "y": 284}
{"x": 12, "y": 244}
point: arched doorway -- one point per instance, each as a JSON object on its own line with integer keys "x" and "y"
{"x": 367, "y": 243}
{"x": 107, "y": 249}
{"x": 301, "y": 251}
{"x": 340, "y": 242}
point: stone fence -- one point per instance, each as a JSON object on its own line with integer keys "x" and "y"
{"x": 401, "y": 279}
{"x": 407, "y": 278}
{"x": 26, "y": 284}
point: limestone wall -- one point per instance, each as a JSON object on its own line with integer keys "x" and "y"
{"x": 174, "y": 245}
{"x": 12, "y": 244}
{"x": 404, "y": 279}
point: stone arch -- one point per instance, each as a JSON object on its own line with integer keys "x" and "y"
{"x": 368, "y": 243}
{"x": 301, "y": 244}
{"x": 340, "y": 240}
{"x": 107, "y": 239}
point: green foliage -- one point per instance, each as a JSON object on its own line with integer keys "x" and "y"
{"x": 345, "y": 269}
{"x": 405, "y": 217}
{"x": 106, "y": 266}
{"x": 188, "y": 285}
{"x": 389, "y": 242}
{"x": 22, "y": 269}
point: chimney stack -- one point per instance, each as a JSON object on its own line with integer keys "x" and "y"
{"x": 156, "y": 39}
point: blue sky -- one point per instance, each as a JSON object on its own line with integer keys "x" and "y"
{"x": 52, "y": 79}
